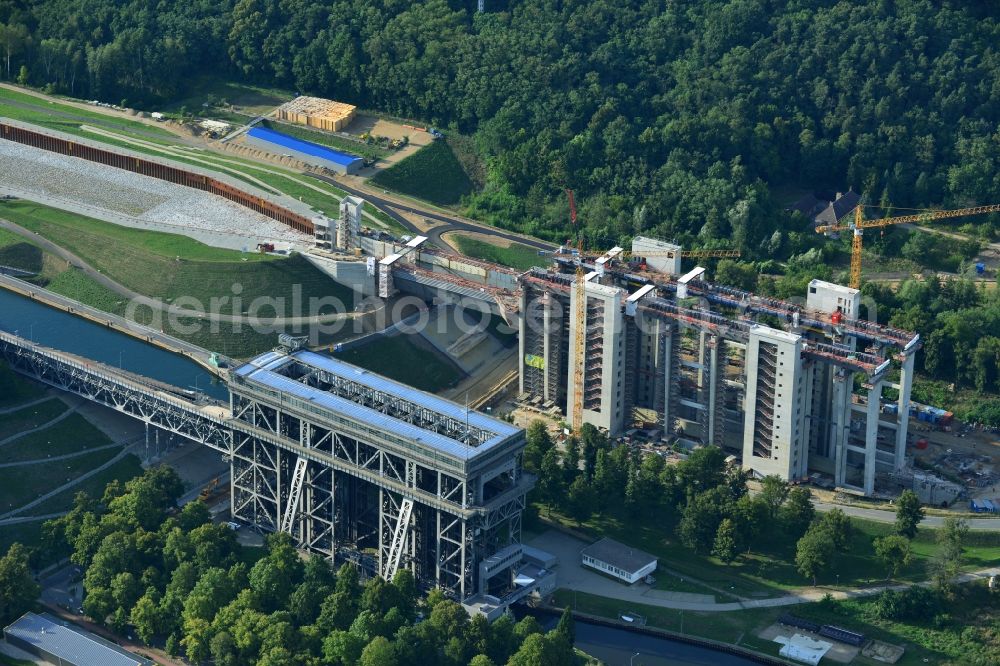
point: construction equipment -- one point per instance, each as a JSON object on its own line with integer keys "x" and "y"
{"x": 209, "y": 490}
{"x": 858, "y": 224}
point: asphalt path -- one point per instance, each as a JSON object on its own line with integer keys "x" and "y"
{"x": 157, "y": 304}
{"x": 453, "y": 223}
{"x": 44, "y": 109}
{"x": 883, "y": 516}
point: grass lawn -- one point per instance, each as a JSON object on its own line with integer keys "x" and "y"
{"x": 432, "y": 173}
{"x": 17, "y": 252}
{"x": 211, "y": 90}
{"x": 924, "y": 642}
{"x": 79, "y": 286}
{"x": 28, "y": 418}
{"x": 771, "y": 571}
{"x": 329, "y": 140}
{"x": 20, "y": 485}
{"x": 41, "y": 218}
{"x": 171, "y": 266}
{"x": 123, "y": 470}
{"x": 726, "y": 627}
{"x": 27, "y": 534}
{"x": 66, "y": 118}
{"x": 407, "y": 360}
{"x": 15, "y": 389}
{"x": 392, "y": 225}
{"x": 516, "y": 255}
{"x": 146, "y": 261}
{"x": 72, "y": 434}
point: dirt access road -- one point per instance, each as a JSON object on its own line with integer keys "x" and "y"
{"x": 388, "y": 203}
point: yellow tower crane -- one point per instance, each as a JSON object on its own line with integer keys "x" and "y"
{"x": 858, "y": 224}
{"x": 625, "y": 255}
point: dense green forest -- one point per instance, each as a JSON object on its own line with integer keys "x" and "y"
{"x": 675, "y": 117}
{"x": 184, "y": 583}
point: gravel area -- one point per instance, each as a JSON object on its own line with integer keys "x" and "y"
{"x": 55, "y": 176}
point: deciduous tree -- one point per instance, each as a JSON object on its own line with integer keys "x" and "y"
{"x": 909, "y": 513}
{"x": 894, "y": 551}
{"x": 18, "y": 589}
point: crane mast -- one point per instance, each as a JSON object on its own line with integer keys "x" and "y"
{"x": 859, "y": 224}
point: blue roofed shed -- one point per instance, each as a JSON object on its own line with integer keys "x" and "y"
{"x": 305, "y": 151}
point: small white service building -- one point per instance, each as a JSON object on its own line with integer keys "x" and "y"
{"x": 615, "y": 559}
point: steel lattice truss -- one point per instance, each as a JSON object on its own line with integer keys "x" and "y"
{"x": 96, "y": 382}
{"x": 421, "y": 517}
{"x": 397, "y": 407}
{"x": 338, "y": 492}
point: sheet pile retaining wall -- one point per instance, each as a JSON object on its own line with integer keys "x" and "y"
{"x": 157, "y": 170}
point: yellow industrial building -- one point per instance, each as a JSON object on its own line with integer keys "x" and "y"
{"x": 324, "y": 114}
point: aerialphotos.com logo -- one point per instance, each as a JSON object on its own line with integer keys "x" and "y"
{"x": 318, "y": 318}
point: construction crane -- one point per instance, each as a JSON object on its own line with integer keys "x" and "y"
{"x": 858, "y": 224}
{"x": 704, "y": 254}
{"x": 579, "y": 335}
{"x": 686, "y": 254}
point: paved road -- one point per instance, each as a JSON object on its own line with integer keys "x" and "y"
{"x": 49, "y": 424}
{"x": 66, "y": 486}
{"x": 45, "y": 109}
{"x": 572, "y": 576}
{"x": 386, "y": 203}
{"x": 32, "y": 519}
{"x": 65, "y": 456}
{"x": 25, "y": 405}
{"x": 883, "y": 516}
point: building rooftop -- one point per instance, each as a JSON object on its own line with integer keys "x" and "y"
{"x": 306, "y": 147}
{"x": 319, "y": 107}
{"x": 69, "y": 643}
{"x": 442, "y": 425}
{"x": 647, "y": 243}
{"x": 832, "y": 286}
{"x": 618, "y": 555}
{"x": 841, "y": 206}
{"x": 775, "y": 333}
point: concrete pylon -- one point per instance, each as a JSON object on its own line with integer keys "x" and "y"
{"x": 871, "y": 434}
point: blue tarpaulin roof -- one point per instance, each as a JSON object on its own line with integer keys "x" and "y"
{"x": 307, "y": 147}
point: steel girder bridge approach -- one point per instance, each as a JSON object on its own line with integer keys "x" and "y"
{"x": 354, "y": 466}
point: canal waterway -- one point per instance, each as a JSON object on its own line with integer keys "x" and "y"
{"x": 63, "y": 331}
{"x": 621, "y": 647}
{"x": 66, "y": 332}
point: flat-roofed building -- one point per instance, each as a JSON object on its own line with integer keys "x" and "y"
{"x": 62, "y": 644}
{"x": 305, "y": 151}
{"x": 618, "y": 560}
{"x": 324, "y": 114}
